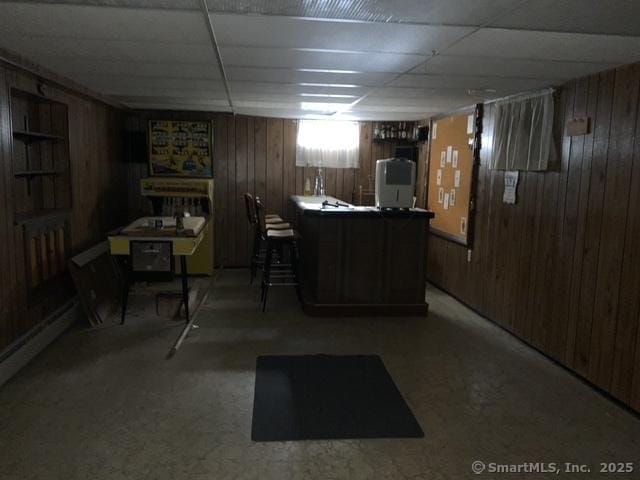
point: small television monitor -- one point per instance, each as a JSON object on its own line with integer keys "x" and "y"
{"x": 395, "y": 183}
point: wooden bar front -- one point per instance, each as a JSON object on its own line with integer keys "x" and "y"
{"x": 360, "y": 261}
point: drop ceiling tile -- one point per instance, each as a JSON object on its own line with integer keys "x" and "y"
{"x": 501, "y": 67}
{"x": 283, "y": 98}
{"x": 285, "y": 75}
{"x": 290, "y": 32}
{"x": 407, "y": 95}
{"x": 90, "y": 22}
{"x": 103, "y": 82}
{"x": 159, "y": 4}
{"x": 138, "y": 69}
{"x": 613, "y": 17}
{"x": 292, "y": 58}
{"x": 460, "y": 12}
{"x": 53, "y": 50}
{"x": 146, "y": 99}
{"x": 181, "y": 107}
{"x": 295, "y": 89}
{"x": 470, "y": 82}
{"x": 535, "y": 45}
{"x": 126, "y": 90}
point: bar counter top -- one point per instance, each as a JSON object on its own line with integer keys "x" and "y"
{"x": 313, "y": 206}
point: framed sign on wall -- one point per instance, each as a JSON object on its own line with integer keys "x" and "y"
{"x": 180, "y": 148}
{"x": 454, "y": 154}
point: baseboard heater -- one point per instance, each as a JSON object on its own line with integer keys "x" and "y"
{"x": 25, "y": 348}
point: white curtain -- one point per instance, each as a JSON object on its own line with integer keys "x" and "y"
{"x": 326, "y": 143}
{"x": 523, "y": 131}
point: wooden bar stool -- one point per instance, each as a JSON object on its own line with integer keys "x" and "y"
{"x": 275, "y": 272}
{"x": 259, "y": 234}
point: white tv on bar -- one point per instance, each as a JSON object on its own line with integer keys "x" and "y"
{"x": 395, "y": 183}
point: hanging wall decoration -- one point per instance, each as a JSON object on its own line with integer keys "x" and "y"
{"x": 180, "y": 148}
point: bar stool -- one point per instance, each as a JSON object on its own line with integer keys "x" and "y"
{"x": 273, "y": 222}
{"x": 274, "y": 271}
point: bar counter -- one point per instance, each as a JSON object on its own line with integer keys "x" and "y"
{"x": 361, "y": 261}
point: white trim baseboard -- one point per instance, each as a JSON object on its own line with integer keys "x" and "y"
{"x": 24, "y": 349}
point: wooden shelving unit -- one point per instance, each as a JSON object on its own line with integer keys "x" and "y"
{"x": 40, "y": 159}
{"x": 402, "y": 133}
{"x": 42, "y": 191}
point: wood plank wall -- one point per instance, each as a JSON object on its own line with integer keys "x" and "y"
{"x": 257, "y": 155}
{"x": 561, "y": 268}
{"x": 98, "y": 191}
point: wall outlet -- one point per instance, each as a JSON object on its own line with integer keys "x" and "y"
{"x": 469, "y": 255}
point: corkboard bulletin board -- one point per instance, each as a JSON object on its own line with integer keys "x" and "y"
{"x": 452, "y": 159}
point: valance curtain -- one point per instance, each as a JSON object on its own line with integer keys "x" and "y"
{"x": 523, "y": 131}
{"x": 326, "y": 143}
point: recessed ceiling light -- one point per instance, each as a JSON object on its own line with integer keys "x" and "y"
{"x": 330, "y": 85}
{"x": 326, "y": 95}
{"x": 323, "y": 70}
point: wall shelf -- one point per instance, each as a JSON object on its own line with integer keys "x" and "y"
{"x": 40, "y": 150}
{"x": 36, "y": 173}
{"x": 40, "y": 214}
{"x": 29, "y": 136}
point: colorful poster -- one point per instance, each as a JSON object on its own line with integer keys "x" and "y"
{"x": 180, "y": 148}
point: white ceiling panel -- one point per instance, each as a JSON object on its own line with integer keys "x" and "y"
{"x": 167, "y": 99}
{"x": 417, "y": 104}
{"x": 404, "y": 95}
{"x": 137, "y": 4}
{"x": 157, "y": 53}
{"x": 470, "y": 82}
{"x": 284, "y": 75}
{"x": 458, "y": 12}
{"x": 494, "y": 42}
{"x": 334, "y": 60}
{"x": 104, "y": 82}
{"x": 296, "y": 89}
{"x": 183, "y": 107}
{"x": 63, "y": 48}
{"x": 158, "y": 92}
{"x": 138, "y": 69}
{"x": 290, "y": 32}
{"x": 606, "y": 17}
{"x": 488, "y": 66}
{"x": 86, "y": 22}
{"x": 286, "y": 99}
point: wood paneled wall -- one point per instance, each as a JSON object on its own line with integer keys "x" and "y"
{"x": 257, "y": 155}
{"x": 561, "y": 268}
{"x": 98, "y": 192}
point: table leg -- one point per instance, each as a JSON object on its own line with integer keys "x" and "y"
{"x": 125, "y": 293}
{"x": 185, "y": 299}
{"x": 185, "y": 286}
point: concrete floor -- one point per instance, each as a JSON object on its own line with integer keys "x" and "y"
{"x": 105, "y": 404}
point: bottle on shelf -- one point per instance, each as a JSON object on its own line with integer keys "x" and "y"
{"x": 383, "y": 132}
{"x": 376, "y": 132}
